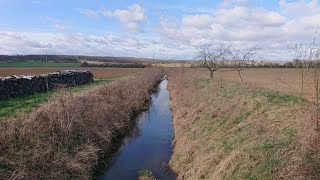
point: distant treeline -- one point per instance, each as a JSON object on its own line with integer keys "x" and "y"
{"x": 78, "y": 58}
{"x": 41, "y": 58}
{"x": 266, "y": 64}
{"x": 114, "y": 65}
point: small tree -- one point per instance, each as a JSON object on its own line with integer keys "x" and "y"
{"x": 212, "y": 56}
{"x": 302, "y": 60}
{"x": 307, "y": 60}
{"x": 240, "y": 59}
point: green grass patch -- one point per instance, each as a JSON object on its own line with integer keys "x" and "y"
{"x": 241, "y": 117}
{"x": 225, "y": 92}
{"x": 205, "y": 80}
{"x": 279, "y": 98}
{"x": 39, "y": 64}
{"x": 202, "y": 81}
{"x": 144, "y": 173}
{"x": 11, "y": 108}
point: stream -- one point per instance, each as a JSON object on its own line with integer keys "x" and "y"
{"x": 148, "y": 146}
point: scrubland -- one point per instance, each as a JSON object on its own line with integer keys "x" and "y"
{"x": 228, "y": 130}
{"x": 65, "y": 137}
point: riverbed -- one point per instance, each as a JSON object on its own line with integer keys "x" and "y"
{"x": 148, "y": 146}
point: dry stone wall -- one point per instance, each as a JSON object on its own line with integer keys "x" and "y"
{"x": 15, "y": 86}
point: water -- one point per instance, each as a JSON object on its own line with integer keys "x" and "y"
{"x": 149, "y": 145}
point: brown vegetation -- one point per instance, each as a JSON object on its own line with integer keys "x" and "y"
{"x": 226, "y": 131}
{"x": 98, "y": 73}
{"x": 64, "y": 138}
{"x": 274, "y": 79}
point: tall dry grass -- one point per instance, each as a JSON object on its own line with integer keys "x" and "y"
{"x": 64, "y": 138}
{"x": 224, "y": 130}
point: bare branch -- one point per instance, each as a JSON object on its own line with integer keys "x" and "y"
{"x": 240, "y": 59}
{"x": 213, "y": 56}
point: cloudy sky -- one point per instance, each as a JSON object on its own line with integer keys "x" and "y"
{"x": 169, "y": 29}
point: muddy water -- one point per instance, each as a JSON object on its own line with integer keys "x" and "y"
{"x": 149, "y": 145}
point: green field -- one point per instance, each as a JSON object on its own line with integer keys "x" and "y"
{"x": 39, "y": 64}
{"x": 12, "y": 108}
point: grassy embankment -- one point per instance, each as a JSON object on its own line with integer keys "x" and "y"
{"x": 65, "y": 137}
{"x": 15, "y": 107}
{"x": 224, "y": 130}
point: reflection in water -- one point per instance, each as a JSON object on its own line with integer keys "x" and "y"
{"x": 149, "y": 145}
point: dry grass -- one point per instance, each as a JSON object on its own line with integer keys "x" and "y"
{"x": 64, "y": 138}
{"x": 98, "y": 73}
{"x": 280, "y": 80}
{"x": 227, "y": 131}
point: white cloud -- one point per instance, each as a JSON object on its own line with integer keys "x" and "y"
{"x": 88, "y": 12}
{"x": 242, "y": 27}
{"x": 301, "y": 7}
{"x": 244, "y": 16}
{"x": 199, "y": 20}
{"x": 130, "y": 18}
{"x": 232, "y": 22}
{"x": 83, "y": 44}
{"x": 234, "y": 2}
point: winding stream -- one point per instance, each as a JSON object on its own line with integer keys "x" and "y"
{"x": 149, "y": 145}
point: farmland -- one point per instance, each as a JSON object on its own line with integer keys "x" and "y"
{"x": 16, "y": 107}
{"x": 98, "y": 73}
{"x": 39, "y": 64}
{"x": 20, "y": 106}
{"x": 284, "y": 80}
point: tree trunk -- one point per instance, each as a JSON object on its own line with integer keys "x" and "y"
{"x": 240, "y": 76}
{"x": 211, "y": 74}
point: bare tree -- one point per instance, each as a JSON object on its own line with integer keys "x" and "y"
{"x": 212, "y": 56}
{"x": 240, "y": 59}
{"x": 302, "y": 60}
{"x": 307, "y": 60}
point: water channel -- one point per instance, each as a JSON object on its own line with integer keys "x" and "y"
{"x": 148, "y": 146}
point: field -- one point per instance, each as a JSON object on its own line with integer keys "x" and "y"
{"x": 39, "y": 64}
{"x": 282, "y": 80}
{"x": 171, "y": 65}
{"x": 98, "y": 73}
{"x": 17, "y": 107}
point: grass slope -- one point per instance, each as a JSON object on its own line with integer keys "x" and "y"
{"x": 64, "y": 138}
{"x": 12, "y": 108}
{"x": 228, "y": 131}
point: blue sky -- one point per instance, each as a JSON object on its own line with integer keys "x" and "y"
{"x": 170, "y": 29}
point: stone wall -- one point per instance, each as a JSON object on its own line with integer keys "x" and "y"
{"x": 15, "y": 86}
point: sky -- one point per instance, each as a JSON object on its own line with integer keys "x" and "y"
{"x": 166, "y": 29}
